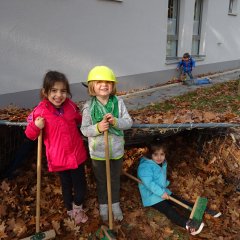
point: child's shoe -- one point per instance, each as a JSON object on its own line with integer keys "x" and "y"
{"x": 213, "y": 213}
{"x": 103, "y": 209}
{"x": 194, "y": 227}
{"x": 117, "y": 212}
{"x": 78, "y": 214}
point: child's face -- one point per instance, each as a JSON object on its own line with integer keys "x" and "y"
{"x": 103, "y": 88}
{"x": 185, "y": 59}
{"x": 57, "y": 94}
{"x": 158, "y": 156}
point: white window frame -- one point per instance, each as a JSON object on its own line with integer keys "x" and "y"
{"x": 197, "y": 22}
{"x": 172, "y": 29}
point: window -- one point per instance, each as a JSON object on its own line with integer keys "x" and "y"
{"x": 232, "y": 10}
{"x": 197, "y": 27}
{"x": 172, "y": 28}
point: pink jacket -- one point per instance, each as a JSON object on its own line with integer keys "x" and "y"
{"x": 63, "y": 140}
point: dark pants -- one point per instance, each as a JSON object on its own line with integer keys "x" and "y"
{"x": 168, "y": 208}
{"x": 73, "y": 186}
{"x": 185, "y": 73}
{"x": 99, "y": 169}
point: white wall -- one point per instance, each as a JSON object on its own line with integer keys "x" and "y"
{"x": 222, "y": 32}
{"x": 130, "y": 36}
{"x": 75, "y": 35}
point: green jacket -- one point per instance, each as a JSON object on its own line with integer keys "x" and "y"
{"x": 96, "y": 139}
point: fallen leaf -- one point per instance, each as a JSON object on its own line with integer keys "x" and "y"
{"x": 5, "y": 186}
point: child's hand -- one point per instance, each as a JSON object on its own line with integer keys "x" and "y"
{"x": 103, "y": 125}
{"x": 40, "y": 122}
{"x": 110, "y": 118}
{"x": 165, "y": 196}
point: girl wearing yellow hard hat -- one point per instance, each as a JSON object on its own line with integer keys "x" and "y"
{"x": 105, "y": 112}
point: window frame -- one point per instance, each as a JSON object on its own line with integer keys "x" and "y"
{"x": 171, "y": 37}
{"x": 232, "y": 7}
{"x": 198, "y": 36}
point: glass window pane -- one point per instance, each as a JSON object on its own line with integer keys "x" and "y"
{"x": 233, "y": 7}
{"x": 197, "y": 9}
{"x": 172, "y": 28}
{"x": 172, "y": 9}
{"x": 195, "y": 47}
{"x": 230, "y": 10}
{"x": 171, "y": 48}
{"x": 196, "y": 27}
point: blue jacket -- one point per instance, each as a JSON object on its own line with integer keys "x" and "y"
{"x": 186, "y": 65}
{"x": 154, "y": 179}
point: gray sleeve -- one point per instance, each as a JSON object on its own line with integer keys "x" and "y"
{"x": 124, "y": 120}
{"x": 87, "y": 128}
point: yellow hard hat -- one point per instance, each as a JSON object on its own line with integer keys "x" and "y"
{"x": 101, "y": 73}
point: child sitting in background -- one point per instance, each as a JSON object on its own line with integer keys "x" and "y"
{"x": 186, "y": 65}
{"x": 152, "y": 171}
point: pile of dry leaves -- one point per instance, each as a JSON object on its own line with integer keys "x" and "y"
{"x": 206, "y": 167}
{"x": 201, "y": 163}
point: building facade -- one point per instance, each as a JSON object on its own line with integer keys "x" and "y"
{"x": 140, "y": 40}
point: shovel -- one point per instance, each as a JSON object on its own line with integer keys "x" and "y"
{"x": 105, "y": 233}
{"x": 47, "y": 234}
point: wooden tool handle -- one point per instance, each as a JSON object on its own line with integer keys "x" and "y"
{"x": 179, "y": 202}
{"x": 39, "y": 167}
{"x": 131, "y": 176}
{"x": 194, "y": 208}
{"x": 108, "y": 173}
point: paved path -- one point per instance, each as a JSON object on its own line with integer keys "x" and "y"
{"x": 144, "y": 98}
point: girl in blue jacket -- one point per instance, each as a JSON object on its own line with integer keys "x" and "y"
{"x": 154, "y": 191}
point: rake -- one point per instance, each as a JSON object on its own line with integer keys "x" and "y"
{"x": 50, "y": 233}
{"x": 198, "y": 209}
{"x": 105, "y": 233}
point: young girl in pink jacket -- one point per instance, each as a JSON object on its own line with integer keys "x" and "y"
{"x": 59, "y": 118}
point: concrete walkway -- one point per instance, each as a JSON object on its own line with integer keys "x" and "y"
{"x": 146, "y": 97}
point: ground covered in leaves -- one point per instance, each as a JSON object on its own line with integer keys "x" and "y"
{"x": 219, "y": 103}
{"x": 201, "y": 163}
